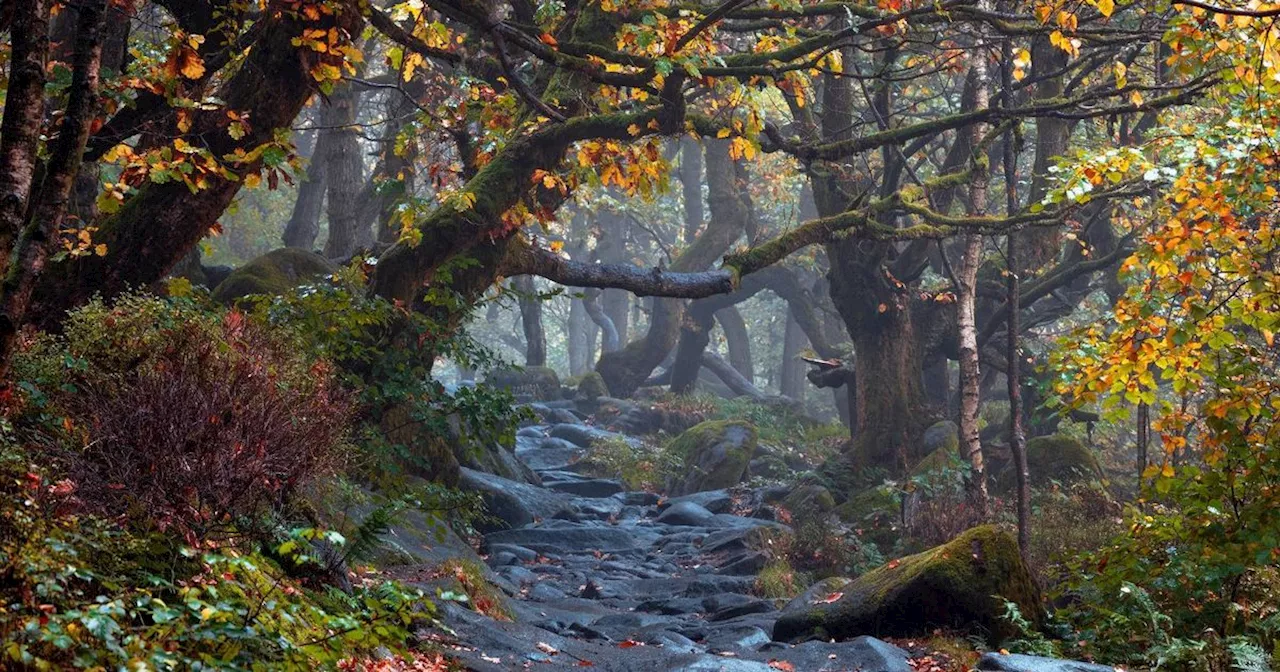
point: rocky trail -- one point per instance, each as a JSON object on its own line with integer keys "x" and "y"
{"x": 594, "y": 576}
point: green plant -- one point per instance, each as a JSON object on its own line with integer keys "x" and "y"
{"x": 778, "y": 580}
{"x": 644, "y": 467}
{"x": 1029, "y": 640}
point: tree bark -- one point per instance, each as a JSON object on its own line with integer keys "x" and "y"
{"x": 23, "y": 113}
{"x": 791, "y": 381}
{"x": 691, "y": 186}
{"x": 738, "y": 341}
{"x": 966, "y": 291}
{"x": 304, "y": 223}
{"x": 344, "y": 173}
{"x": 576, "y": 338}
{"x": 31, "y": 249}
{"x": 535, "y": 337}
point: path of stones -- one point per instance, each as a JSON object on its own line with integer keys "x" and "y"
{"x": 610, "y": 580}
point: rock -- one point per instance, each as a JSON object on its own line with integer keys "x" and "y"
{"x": 741, "y": 637}
{"x": 944, "y": 435}
{"x": 715, "y": 453}
{"x": 715, "y": 501}
{"x": 862, "y": 653}
{"x": 547, "y": 454}
{"x": 591, "y": 388}
{"x": 876, "y": 512}
{"x": 1060, "y": 458}
{"x": 511, "y": 502}
{"x": 1016, "y": 662}
{"x": 574, "y": 538}
{"x": 585, "y": 435}
{"x": 816, "y": 593}
{"x": 686, "y": 513}
{"x": 769, "y": 466}
{"x": 431, "y": 455}
{"x": 534, "y": 382}
{"x": 809, "y": 500}
{"x": 496, "y": 459}
{"x": 950, "y": 586}
{"x": 592, "y": 487}
{"x": 273, "y": 273}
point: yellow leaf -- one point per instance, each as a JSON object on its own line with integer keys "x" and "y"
{"x": 100, "y": 249}
{"x": 557, "y": 245}
{"x": 1106, "y": 7}
{"x": 1167, "y": 470}
{"x": 722, "y": 133}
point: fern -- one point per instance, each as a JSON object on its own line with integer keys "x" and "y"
{"x": 1247, "y": 656}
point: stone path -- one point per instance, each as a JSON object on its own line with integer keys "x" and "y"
{"x": 614, "y": 580}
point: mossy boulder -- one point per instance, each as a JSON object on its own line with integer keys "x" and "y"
{"x": 876, "y": 513}
{"x": 430, "y": 455}
{"x": 531, "y": 383}
{"x": 809, "y": 500}
{"x": 715, "y": 455}
{"x": 951, "y": 586}
{"x": 591, "y": 387}
{"x": 1056, "y": 458}
{"x": 273, "y": 273}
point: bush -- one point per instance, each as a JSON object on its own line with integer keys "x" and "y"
{"x": 190, "y": 416}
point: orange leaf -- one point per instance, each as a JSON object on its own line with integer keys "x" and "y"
{"x": 782, "y": 665}
{"x": 548, "y": 39}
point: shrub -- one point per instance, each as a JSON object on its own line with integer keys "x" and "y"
{"x": 190, "y": 416}
{"x": 778, "y": 580}
{"x": 645, "y": 468}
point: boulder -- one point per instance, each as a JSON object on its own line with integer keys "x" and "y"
{"x": 686, "y": 513}
{"x": 537, "y": 383}
{"x": 1016, "y": 662}
{"x": 809, "y": 500}
{"x": 715, "y": 453}
{"x": 863, "y": 653}
{"x": 944, "y": 435}
{"x": 273, "y": 273}
{"x": 951, "y": 586}
{"x": 1061, "y": 458}
{"x": 816, "y": 593}
{"x": 591, "y": 388}
{"x": 511, "y": 502}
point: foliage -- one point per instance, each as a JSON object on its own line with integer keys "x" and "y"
{"x": 176, "y": 414}
{"x": 84, "y": 593}
{"x": 647, "y": 467}
{"x": 778, "y": 580}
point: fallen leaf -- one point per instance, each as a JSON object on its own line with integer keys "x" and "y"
{"x": 626, "y": 644}
{"x": 547, "y": 648}
{"x": 782, "y": 665}
{"x": 829, "y": 598}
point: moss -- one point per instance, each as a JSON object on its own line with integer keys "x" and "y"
{"x": 592, "y": 387}
{"x": 809, "y": 500}
{"x": 950, "y": 586}
{"x": 778, "y": 580}
{"x": 1056, "y": 458}
{"x": 273, "y": 273}
{"x": 715, "y": 454}
{"x": 876, "y": 513}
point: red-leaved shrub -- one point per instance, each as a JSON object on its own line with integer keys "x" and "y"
{"x": 204, "y": 418}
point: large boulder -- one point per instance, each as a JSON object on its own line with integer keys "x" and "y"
{"x": 534, "y": 383}
{"x": 273, "y": 273}
{"x": 715, "y": 454}
{"x": 952, "y": 586}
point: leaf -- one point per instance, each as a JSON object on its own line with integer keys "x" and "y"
{"x": 548, "y": 39}
{"x": 831, "y": 597}
{"x": 547, "y": 648}
{"x": 782, "y": 665}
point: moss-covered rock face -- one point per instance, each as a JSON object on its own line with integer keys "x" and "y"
{"x": 950, "y": 586}
{"x": 432, "y": 456}
{"x": 533, "y": 383}
{"x": 715, "y": 455}
{"x": 1055, "y": 458}
{"x": 273, "y": 273}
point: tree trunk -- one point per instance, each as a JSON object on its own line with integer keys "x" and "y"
{"x": 695, "y": 336}
{"x": 738, "y": 340}
{"x": 535, "y": 338}
{"x": 344, "y": 173}
{"x": 791, "y": 381}
{"x": 304, "y": 224}
{"x": 31, "y": 248}
{"x": 625, "y": 370}
{"x": 609, "y": 340}
{"x": 23, "y": 113}
{"x": 691, "y": 186}
{"x": 576, "y": 343}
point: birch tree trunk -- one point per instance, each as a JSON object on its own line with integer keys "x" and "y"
{"x": 966, "y": 286}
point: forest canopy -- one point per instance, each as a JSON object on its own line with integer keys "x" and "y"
{"x": 887, "y": 272}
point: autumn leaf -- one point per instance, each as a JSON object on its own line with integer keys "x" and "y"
{"x": 548, "y": 39}
{"x": 782, "y": 665}
{"x": 831, "y": 597}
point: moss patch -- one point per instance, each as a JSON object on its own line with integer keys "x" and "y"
{"x": 272, "y": 274}
{"x": 1056, "y": 458}
{"x": 951, "y": 586}
{"x": 592, "y": 387}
